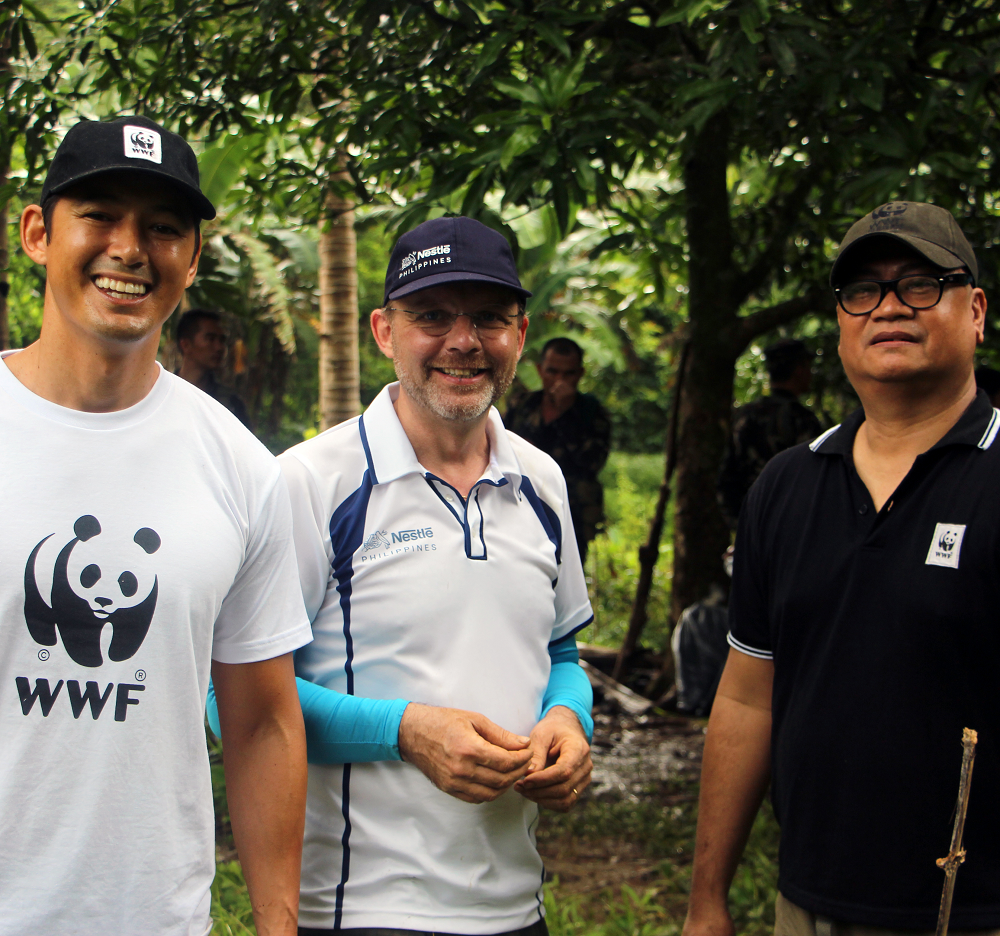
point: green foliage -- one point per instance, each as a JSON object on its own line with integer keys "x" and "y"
{"x": 662, "y": 824}
{"x": 232, "y": 914}
{"x": 24, "y": 301}
{"x": 631, "y": 484}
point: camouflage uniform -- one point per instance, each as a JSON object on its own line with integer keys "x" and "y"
{"x": 579, "y": 441}
{"x": 230, "y": 399}
{"x": 761, "y": 429}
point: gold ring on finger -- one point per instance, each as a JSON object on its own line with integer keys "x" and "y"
{"x": 575, "y": 792}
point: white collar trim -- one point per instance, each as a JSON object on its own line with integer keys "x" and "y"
{"x": 391, "y": 454}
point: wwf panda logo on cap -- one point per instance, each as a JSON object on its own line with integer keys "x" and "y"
{"x": 142, "y": 143}
{"x": 130, "y": 144}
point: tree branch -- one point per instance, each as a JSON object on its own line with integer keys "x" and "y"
{"x": 787, "y": 213}
{"x": 763, "y": 320}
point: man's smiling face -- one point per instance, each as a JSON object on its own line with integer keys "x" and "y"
{"x": 119, "y": 252}
{"x": 897, "y": 344}
{"x": 458, "y": 375}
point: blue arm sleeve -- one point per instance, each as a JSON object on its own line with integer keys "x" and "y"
{"x": 343, "y": 729}
{"x": 340, "y": 729}
{"x": 569, "y": 685}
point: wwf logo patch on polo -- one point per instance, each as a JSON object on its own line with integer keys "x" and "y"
{"x": 946, "y": 545}
{"x": 143, "y": 143}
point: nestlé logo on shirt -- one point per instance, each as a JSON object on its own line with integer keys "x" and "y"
{"x": 381, "y": 543}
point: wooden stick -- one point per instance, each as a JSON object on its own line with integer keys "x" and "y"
{"x": 957, "y": 854}
{"x": 649, "y": 552}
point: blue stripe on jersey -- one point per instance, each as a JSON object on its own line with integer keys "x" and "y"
{"x": 345, "y": 841}
{"x": 541, "y": 884}
{"x": 368, "y": 451}
{"x": 546, "y": 515}
{"x": 347, "y": 526}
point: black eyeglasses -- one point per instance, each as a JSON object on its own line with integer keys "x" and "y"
{"x": 437, "y": 323}
{"x": 919, "y": 291}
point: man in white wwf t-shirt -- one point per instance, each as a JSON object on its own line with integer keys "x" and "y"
{"x": 146, "y": 543}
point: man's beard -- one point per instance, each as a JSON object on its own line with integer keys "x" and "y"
{"x": 442, "y": 402}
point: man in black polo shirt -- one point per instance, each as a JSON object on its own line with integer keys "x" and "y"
{"x": 865, "y": 597}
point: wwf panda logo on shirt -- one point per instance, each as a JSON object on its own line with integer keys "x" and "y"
{"x": 95, "y": 581}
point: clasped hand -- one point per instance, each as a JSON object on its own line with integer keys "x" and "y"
{"x": 473, "y": 759}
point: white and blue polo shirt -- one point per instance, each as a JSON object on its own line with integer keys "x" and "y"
{"x": 415, "y": 593}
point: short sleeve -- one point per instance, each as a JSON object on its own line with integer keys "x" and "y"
{"x": 573, "y": 611}
{"x": 313, "y": 553}
{"x": 263, "y": 615}
{"x": 749, "y": 627}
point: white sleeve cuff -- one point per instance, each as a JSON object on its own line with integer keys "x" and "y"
{"x": 748, "y": 650}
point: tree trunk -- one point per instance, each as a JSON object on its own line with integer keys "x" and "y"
{"x": 700, "y": 533}
{"x": 339, "y": 368}
{"x": 4, "y": 262}
{"x": 4, "y": 246}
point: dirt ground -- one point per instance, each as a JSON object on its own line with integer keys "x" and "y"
{"x": 634, "y": 825}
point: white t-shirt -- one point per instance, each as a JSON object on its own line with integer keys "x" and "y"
{"x": 414, "y": 595}
{"x": 170, "y": 522}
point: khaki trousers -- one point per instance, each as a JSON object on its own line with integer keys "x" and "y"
{"x": 791, "y": 920}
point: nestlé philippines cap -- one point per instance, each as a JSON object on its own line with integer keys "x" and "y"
{"x": 450, "y": 250}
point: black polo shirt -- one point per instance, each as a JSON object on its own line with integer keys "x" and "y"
{"x": 884, "y": 631}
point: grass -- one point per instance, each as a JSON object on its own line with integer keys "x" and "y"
{"x": 658, "y": 825}
{"x": 631, "y": 486}
{"x": 662, "y": 825}
{"x": 655, "y": 909}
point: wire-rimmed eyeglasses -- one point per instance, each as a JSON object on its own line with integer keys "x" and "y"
{"x": 918, "y": 291}
{"x": 437, "y": 323}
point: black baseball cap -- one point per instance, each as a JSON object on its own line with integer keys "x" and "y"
{"x": 450, "y": 250}
{"x": 128, "y": 144}
{"x": 931, "y": 231}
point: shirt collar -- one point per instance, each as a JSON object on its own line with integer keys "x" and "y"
{"x": 390, "y": 454}
{"x": 977, "y": 427}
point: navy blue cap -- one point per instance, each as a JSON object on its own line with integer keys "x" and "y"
{"x": 450, "y": 250}
{"x": 128, "y": 144}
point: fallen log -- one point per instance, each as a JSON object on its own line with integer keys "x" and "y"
{"x": 631, "y": 702}
{"x": 601, "y": 657}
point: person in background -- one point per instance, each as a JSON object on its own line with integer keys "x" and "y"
{"x": 769, "y": 425}
{"x": 202, "y": 343}
{"x": 570, "y": 426}
{"x": 988, "y": 379}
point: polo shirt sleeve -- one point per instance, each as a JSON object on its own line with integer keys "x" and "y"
{"x": 262, "y": 616}
{"x": 573, "y": 611}
{"x": 749, "y": 626}
{"x": 312, "y": 549}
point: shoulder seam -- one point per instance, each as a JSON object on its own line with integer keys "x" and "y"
{"x": 819, "y": 440}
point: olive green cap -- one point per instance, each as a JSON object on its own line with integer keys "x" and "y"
{"x": 931, "y": 231}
